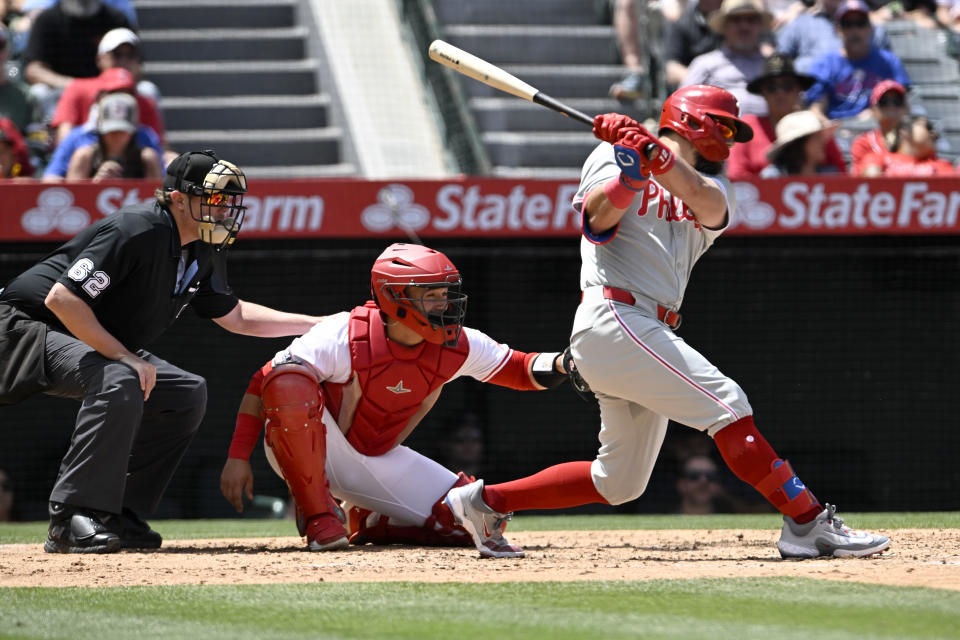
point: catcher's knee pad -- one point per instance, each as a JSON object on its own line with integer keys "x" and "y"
{"x": 293, "y": 408}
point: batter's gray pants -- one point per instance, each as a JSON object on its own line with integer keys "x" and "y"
{"x": 124, "y": 451}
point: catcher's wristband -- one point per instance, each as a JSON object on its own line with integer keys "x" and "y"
{"x": 620, "y": 194}
{"x": 545, "y": 372}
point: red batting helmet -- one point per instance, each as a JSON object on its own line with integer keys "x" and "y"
{"x": 695, "y": 113}
{"x": 402, "y": 265}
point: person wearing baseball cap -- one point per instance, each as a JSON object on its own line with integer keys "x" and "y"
{"x": 782, "y": 88}
{"x": 889, "y": 104}
{"x": 801, "y": 146}
{"x": 845, "y": 78}
{"x": 739, "y": 60}
{"x": 78, "y": 323}
{"x": 116, "y": 153}
{"x": 120, "y": 66}
{"x": 814, "y": 32}
{"x": 913, "y": 152}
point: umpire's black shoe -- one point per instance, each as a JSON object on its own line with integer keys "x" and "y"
{"x": 78, "y": 530}
{"x": 133, "y": 532}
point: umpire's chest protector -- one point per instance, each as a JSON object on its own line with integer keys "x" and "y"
{"x": 394, "y": 380}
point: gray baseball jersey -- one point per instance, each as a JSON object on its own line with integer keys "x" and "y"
{"x": 642, "y": 373}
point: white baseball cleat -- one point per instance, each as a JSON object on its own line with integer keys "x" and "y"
{"x": 825, "y": 535}
{"x": 483, "y": 523}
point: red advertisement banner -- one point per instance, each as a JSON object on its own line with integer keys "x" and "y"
{"x": 466, "y": 207}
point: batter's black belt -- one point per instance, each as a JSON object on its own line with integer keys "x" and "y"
{"x": 666, "y": 316}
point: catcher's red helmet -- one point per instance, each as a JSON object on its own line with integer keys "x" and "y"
{"x": 402, "y": 265}
{"x": 695, "y": 113}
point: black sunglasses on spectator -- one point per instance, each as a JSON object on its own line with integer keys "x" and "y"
{"x": 892, "y": 101}
{"x": 850, "y": 24}
{"x": 709, "y": 476}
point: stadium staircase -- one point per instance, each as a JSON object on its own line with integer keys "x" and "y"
{"x": 557, "y": 47}
{"x": 242, "y": 77}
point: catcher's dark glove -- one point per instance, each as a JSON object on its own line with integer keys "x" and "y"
{"x": 579, "y": 384}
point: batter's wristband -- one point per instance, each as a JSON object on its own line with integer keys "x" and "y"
{"x": 618, "y": 193}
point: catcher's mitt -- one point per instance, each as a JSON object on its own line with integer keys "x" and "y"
{"x": 579, "y": 384}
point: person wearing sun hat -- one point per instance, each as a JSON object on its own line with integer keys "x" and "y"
{"x": 781, "y": 86}
{"x": 889, "y": 104}
{"x": 800, "y": 146}
{"x": 739, "y": 59}
{"x": 846, "y": 78}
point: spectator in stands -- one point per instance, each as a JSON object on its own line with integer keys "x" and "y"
{"x": 63, "y": 46}
{"x": 14, "y": 156}
{"x": 626, "y": 28}
{"x": 15, "y": 100}
{"x": 846, "y": 78}
{"x": 687, "y": 38}
{"x": 782, "y": 88}
{"x": 699, "y": 488}
{"x": 739, "y": 60}
{"x": 121, "y": 48}
{"x": 74, "y": 107}
{"x": 801, "y": 146}
{"x": 6, "y": 497}
{"x": 464, "y": 445}
{"x": 888, "y": 102}
{"x": 116, "y": 153}
{"x": 813, "y": 33}
{"x": 123, "y": 6}
{"x": 914, "y": 153}
{"x": 56, "y": 169}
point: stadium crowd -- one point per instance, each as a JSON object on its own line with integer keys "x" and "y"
{"x": 826, "y": 59}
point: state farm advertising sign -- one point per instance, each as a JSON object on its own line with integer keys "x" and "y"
{"x": 464, "y": 207}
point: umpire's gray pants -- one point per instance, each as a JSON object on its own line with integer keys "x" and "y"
{"x": 124, "y": 451}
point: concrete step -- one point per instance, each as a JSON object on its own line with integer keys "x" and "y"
{"x": 284, "y": 43}
{"x": 570, "y": 12}
{"x": 501, "y": 44}
{"x": 247, "y": 112}
{"x": 227, "y": 78}
{"x": 563, "y": 82}
{"x": 542, "y": 149}
{"x": 265, "y": 147}
{"x": 340, "y": 170}
{"x": 179, "y": 14}
{"x": 512, "y": 114}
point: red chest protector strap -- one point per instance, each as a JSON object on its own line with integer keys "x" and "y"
{"x": 394, "y": 379}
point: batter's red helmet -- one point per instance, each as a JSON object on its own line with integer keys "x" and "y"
{"x": 695, "y": 113}
{"x": 402, "y": 265}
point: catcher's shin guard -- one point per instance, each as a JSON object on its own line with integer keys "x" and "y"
{"x": 293, "y": 407}
{"x": 439, "y": 530}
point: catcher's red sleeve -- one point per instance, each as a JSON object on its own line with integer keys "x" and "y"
{"x": 247, "y": 430}
{"x": 515, "y": 372}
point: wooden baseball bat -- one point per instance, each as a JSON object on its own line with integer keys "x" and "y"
{"x": 492, "y": 75}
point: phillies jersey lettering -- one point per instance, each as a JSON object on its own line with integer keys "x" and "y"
{"x": 652, "y": 250}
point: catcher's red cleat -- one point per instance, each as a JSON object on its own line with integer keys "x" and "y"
{"x": 325, "y": 532}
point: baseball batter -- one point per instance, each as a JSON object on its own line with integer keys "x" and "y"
{"x": 341, "y": 399}
{"x": 650, "y": 208}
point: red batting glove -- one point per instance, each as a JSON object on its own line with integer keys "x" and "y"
{"x": 609, "y": 126}
{"x": 655, "y": 158}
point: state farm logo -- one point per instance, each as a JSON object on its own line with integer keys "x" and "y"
{"x": 395, "y": 207}
{"x": 55, "y": 212}
{"x": 750, "y": 211}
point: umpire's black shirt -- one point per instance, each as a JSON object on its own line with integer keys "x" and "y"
{"x": 130, "y": 268}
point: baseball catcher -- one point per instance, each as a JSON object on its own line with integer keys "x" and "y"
{"x": 337, "y": 404}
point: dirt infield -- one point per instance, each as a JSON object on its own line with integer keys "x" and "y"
{"x": 917, "y": 557}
